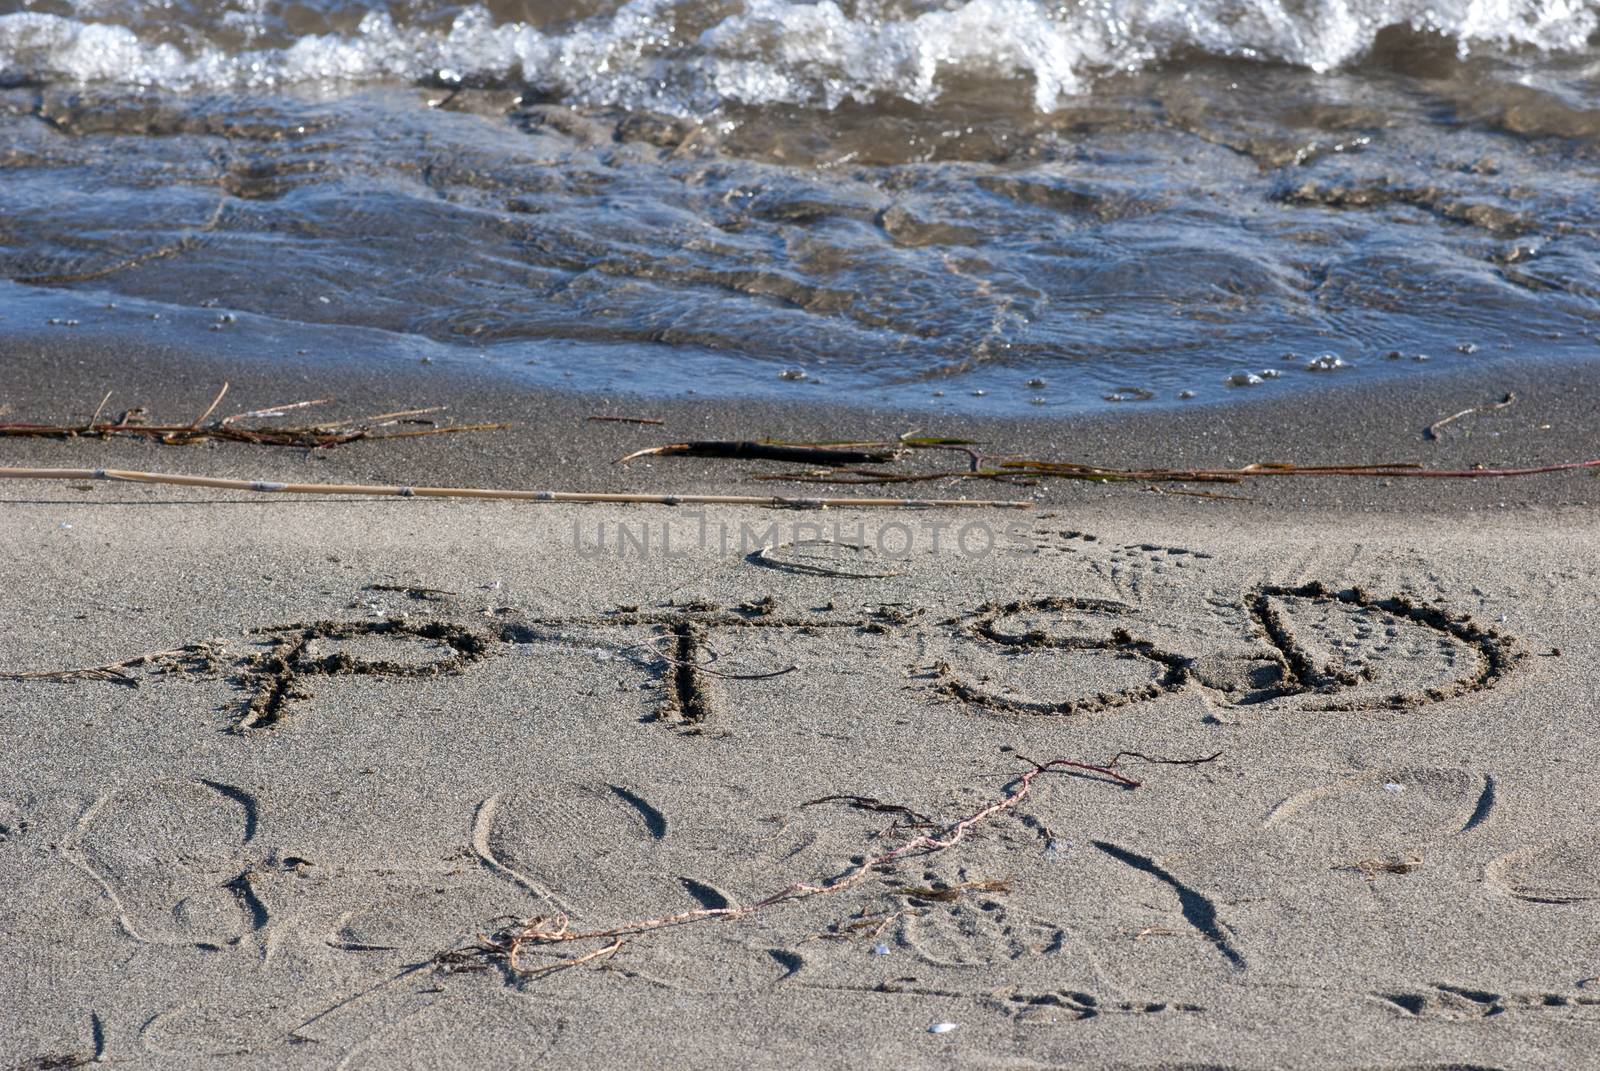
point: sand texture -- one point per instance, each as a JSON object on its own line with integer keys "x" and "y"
{"x": 373, "y": 734}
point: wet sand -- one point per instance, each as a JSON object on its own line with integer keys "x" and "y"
{"x": 387, "y": 730}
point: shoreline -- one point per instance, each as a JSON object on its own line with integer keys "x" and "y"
{"x": 59, "y": 378}
{"x": 48, "y": 318}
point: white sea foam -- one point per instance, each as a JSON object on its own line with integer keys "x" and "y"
{"x": 662, "y": 54}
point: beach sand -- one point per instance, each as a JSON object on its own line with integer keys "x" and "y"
{"x": 387, "y": 733}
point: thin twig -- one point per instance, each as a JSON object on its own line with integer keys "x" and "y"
{"x": 210, "y": 408}
{"x": 1158, "y": 760}
{"x": 1387, "y": 470}
{"x": 401, "y": 414}
{"x": 965, "y": 446}
{"x": 867, "y": 803}
{"x": 98, "y": 410}
{"x": 1432, "y": 431}
{"x": 701, "y": 667}
{"x": 626, "y": 420}
{"x": 763, "y": 557}
{"x": 705, "y": 667}
{"x": 273, "y": 410}
{"x": 510, "y": 944}
{"x": 609, "y": 950}
{"x": 732, "y": 676}
{"x": 420, "y": 433}
{"x": 1153, "y": 489}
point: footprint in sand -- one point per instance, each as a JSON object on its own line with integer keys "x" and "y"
{"x": 424, "y": 922}
{"x": 1375, "y": 823}
{"x": 494, "y": 1031}
{"x": 1073, "y": 1006}
{"x": 604, "y": 855}
{"x": 1565, "y": 871}
{"x": 1393, "y": 810}
{"x": 1457, "y": 1003}
{"x": 981, "y": 933}
{"x": 226, "y": 1026}
{"x": 591, "y": 851}
{"x": 1148, "y": 573}
{"x": 170, "y": 856}
{"x": 1364, "y": 652}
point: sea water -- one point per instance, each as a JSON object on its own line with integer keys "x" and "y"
{"x": 992, "y": 204}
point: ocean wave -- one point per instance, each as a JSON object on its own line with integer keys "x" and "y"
{"x": 690, "y": 56}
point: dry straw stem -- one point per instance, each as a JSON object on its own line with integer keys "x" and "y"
{"x": 555, "y": 930}
{"x": 395, "y": 491}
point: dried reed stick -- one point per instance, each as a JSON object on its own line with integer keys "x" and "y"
{"x": 383, "y": 490}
